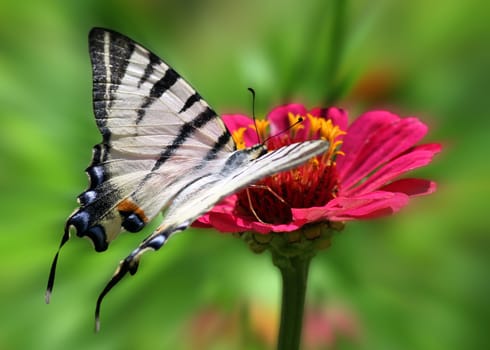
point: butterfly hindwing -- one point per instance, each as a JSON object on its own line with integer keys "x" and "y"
{"x": 240, "y": 169}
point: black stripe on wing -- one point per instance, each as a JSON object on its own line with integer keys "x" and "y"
{"x": 109, "y": 54}
{"x": 190, "y": 101}
{"x": 185, "y": 132}
{"x": 217, "y": 147}
{"x": 105, "y": 71}
{"x": 150, "y": 68}
{"x": 166, "y": 82}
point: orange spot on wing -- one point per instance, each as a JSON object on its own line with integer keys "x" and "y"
{"x": 127, "y": 205}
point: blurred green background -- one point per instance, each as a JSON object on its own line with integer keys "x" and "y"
{"x": 418, "y": 280}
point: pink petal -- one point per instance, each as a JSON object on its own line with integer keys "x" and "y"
{"x": 312, "y": 214}
{"x": 367, "y": 206}
{"x": 266, "y": 228}
{"x": 223, "y": 218}
{"x": 432, "y": 147}
{"x": 358, "y": 133}
{"x": 279, "y": 119}
{"x": 338, "y": 116}
{"x": 411, "y": 187}
{"x": 228, "y": 222}
{"x": 234, "y": 122}
{"x": 416, "y": 158}
{"x": 220, "y": 221}
{"x": 372, "y": 205}
{"x": 226, "y": 206}
{"x": 382, "y": 137}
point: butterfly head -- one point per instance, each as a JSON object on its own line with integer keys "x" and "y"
{"x": 257, "y": 150}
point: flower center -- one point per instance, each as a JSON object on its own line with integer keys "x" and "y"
{"x": 311, "y": 185}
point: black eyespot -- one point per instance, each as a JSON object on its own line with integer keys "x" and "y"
{"x": 156, "y": 242}
{"x": 97, "y": 153}
{"x": 96, "y": 175}
{"x": 97, "y": 236}
{"x": 80, "y": 220}
{"x": 132, "y": 222}
{"x": 87, "y": 197}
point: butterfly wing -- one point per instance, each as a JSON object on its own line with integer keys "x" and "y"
{"x": 155, "y": 128}
{"x": 241, "y": 169}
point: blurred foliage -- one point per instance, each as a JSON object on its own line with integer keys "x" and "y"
{"x": 418, "y": 280}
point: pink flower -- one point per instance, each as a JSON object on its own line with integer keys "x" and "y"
{"x": 357, "y": 178}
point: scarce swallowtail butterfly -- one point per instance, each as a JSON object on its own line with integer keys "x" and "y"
{"x": 163, "y": 149}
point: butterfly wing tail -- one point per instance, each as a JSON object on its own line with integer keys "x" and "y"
{"x": 130, "y": 264}
{"x": 52, "y": 271}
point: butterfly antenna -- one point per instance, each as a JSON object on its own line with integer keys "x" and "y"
{"x": 299, "y": 121}
{"x": 252, "y": 91}
{"x": 52, "y": 271}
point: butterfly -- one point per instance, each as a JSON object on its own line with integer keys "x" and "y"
{"x": 163, "y": 149}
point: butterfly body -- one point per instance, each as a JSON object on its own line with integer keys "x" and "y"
{"x": 163, "y": 149}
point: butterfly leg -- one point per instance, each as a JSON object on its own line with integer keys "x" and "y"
{"x": 252, "y": 207}
{"x": 264, "y": 187}
{"x": 267, "y": 188}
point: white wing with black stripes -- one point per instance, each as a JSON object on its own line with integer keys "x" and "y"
{"x": 155, "y": 128}
{"x": 163, "y": 147}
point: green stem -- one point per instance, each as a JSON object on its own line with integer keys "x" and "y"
{"x": 294, "y": 272}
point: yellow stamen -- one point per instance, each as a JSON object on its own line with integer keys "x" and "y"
{"x": 330, "y": 133}
{"x": 314, "y": 162}
{"x": 293, "y": 121}
{"x": 261, "y": 126}
{"x": 315, "y": 124}
{"x": 326, "y": 130}
{"x": 237, "y": 136}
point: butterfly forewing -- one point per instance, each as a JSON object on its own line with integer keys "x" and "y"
{"x": 155, "y": 128}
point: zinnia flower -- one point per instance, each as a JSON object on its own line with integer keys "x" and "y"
{"x": 357, "y": 178}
